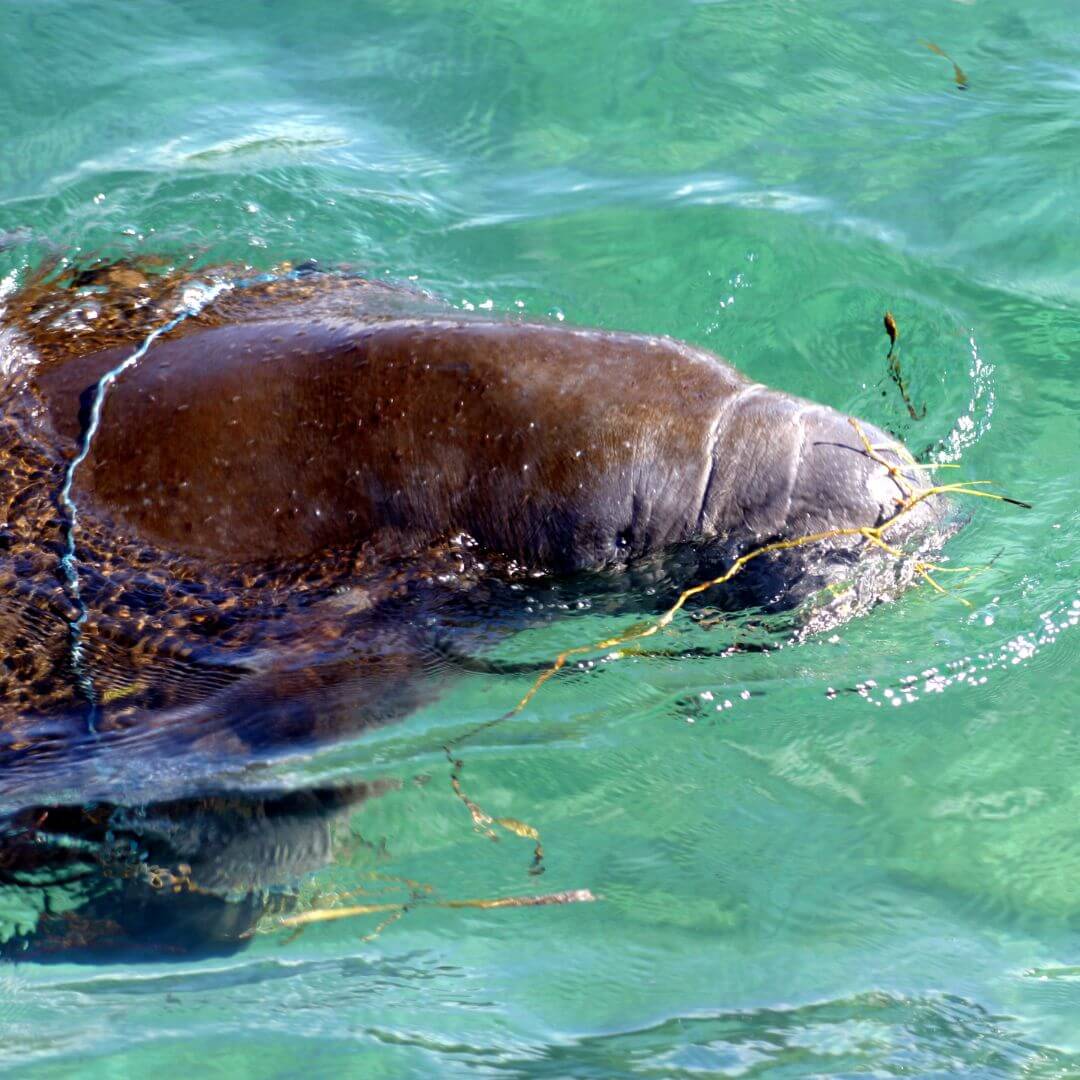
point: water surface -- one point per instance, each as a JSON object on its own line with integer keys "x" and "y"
{"x": 859, "y": 855}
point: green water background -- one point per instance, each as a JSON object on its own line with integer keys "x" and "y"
{"x": 796, "y": 882}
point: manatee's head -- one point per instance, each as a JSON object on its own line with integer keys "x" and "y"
{"x": 833, "y": 489}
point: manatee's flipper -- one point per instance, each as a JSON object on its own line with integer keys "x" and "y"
{"x": 182, "y": 721}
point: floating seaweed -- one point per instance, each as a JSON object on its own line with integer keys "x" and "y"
{"x": 894, "y": 367}
{"x": 396, "y": 909}
{"x": 958, "y": 74}
{"x": 892, "y": 330}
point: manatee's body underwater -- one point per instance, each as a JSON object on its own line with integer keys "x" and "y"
{"x": 300, "y": 490}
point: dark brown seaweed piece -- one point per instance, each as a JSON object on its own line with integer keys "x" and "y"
{"x": 958, "y": 74}
{"x": 894, "y": 367}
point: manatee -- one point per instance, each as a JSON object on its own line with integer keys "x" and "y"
{"x": 562, "y": 448}
{"x": 314, "y": 459}
{"x": 318, "y": 497}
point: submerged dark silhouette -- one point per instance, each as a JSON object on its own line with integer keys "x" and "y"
{"x": 170, "y": 878}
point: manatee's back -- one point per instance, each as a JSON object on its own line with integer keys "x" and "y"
{"x": 270, "y": 439}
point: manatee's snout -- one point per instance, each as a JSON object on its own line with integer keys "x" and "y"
{"x": 852, "y": 474}
{"x": 787, "y": 469}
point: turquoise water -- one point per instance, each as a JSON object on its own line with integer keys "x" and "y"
{"x": 859, "y": 855}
